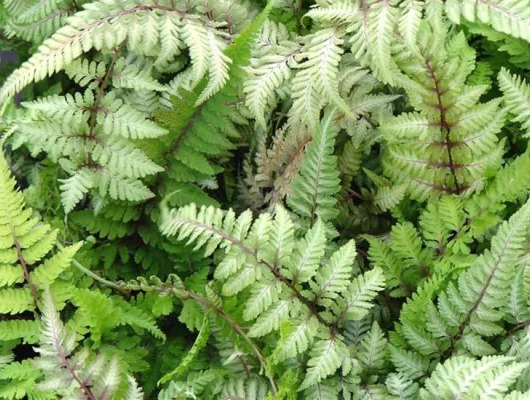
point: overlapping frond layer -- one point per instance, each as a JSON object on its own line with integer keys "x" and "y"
{"x": 202, "y": 127}
{"x": 264, "y": 262}
{"x": 107, "y": 24}
{"x": 471, "y": 310}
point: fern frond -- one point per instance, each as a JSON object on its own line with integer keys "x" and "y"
{"x": 10, "y": 275}
{"x": 473, "y": 309}
{"x": 410, "y": 20}
{"x": 51, "y": 268}
{"x": 308, "y": 254}
{"x": 316, "y": 186}
{"x": 490, "y": 376}
{"x": 15, "y": 329}
{"x": 122, "y": 188}
{"x": 517, "y": 306}
{"x": 108, "y": 382}
{"x": 218, "y": 67}
{"x": 134, "y": 76}
{"x": 316, "y": 79}
{"x": 37, "y": 20}
{"x": 400, "y": 387}
{"x": 121, "y": 158}
{"x": 23, "y": 242}
{"x": 358, "y": 297}
{"x": 74, "y": 188}
{"x": 266, "y": 76}
{"x": 516, "y": 98}
{"x": 372, "y": 349}
{"x": 134, "y": 392}
{"x": 334, "y": 278}
{"x": 67, "y": 372}
{"x": 198, "y": 345}
{"x": 507, "y": 16}
{"x": 371, "y": 26}
{"x": 122, "y": 120}
{"x": 325, "y": 358}
{"x": 382, "y": 19}
{"x": 295, "y": 339}
{"x": 92, "y": 27}
{"x": 450, "y": 146}
{"x": 15, "y": 301}
{"x": 263, "y": 262}
{"x": 201, "y": 134}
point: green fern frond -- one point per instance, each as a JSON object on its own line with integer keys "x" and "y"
{"x": 24, "y": 241}
{"x": 198, "y": 345}
{"x": 16, "y": 301}
{"x": 36, "y": 20}
{"x": 201, "y": 132}
{"x": 326, "y": 357}
{"x": 516, "y": 98}
{"x": 316, "y": 79}
{"x": 400, "y": 387}
{"x": 272, "y": 270}
{"x": 74, "y": 188}
{"x": 371, "y": 27}
{"x": 90, "y": 29}
{"x": 451, "y": 146}
{"x": 66, "y": 371}
{"x": 473, "y": 309}
{"x": 507, "y": 16}
{"x": 269, "y": 70}
{"x": 317, "y": 184}
{"x": 54, "y": 266}
{"x": 358, "y": 297}
{"x": 490, "y": 376}
{"x": 334, "y": 278}
{"x": 410, "y": 20}
{"x": 372, "y": 349}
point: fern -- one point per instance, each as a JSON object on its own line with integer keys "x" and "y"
{"x": 470, "y": 311}
{"x": 253, "y": 256}
{"x": 370, "y": 25}
{"x": 269, "y": 69}
{"x": 85, "y": 29}
{"x": 491, "y": 376}
{"x": 449, "y": 147}
{"x": 36, "y": 20}
{"x": 26, "y": 244}
{"x": 315, "y": 187}
{"x": 200, "y": 131}
{"x": 317, "y": 77}
{"x": 25, "y": 241}
{"x": 516, "y": 96}
{"x": 371, "y": 156}
{"x": 94, "y": 379}
{"x": 507, "y": 16}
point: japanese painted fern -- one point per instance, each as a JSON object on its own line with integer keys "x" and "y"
{"x": 264, "y": 200}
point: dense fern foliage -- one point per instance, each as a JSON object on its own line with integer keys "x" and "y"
{"x": 277, "y": 200}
